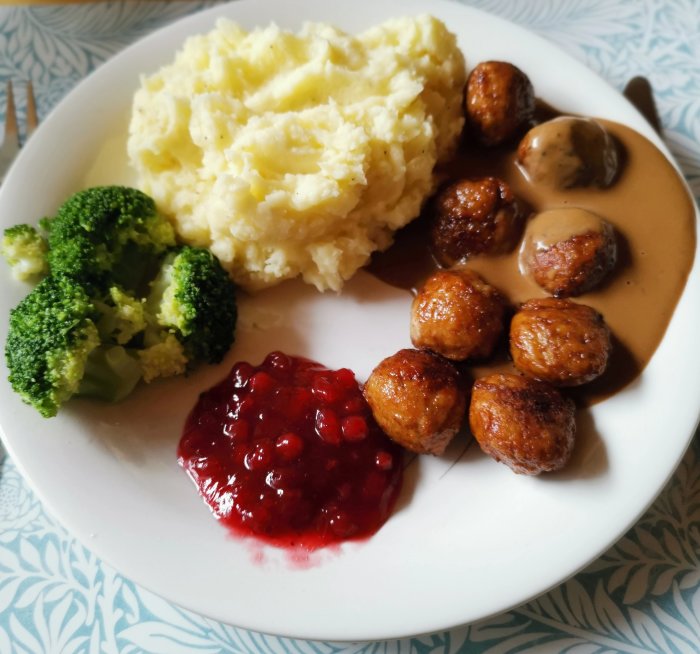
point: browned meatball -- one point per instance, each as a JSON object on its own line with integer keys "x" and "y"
{"x": 526, "y": 424}
{"x": 567, "y": 152}
{"x": 568, "y": 251}
{"x": 500, "y": 102}
{"x": 470, "y": 217}
{"x": 559, "y": 341}
{"x": 417, "y": 399}
{"x": 458, "y": 315}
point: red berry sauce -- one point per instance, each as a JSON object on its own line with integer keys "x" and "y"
{"x": 289, "y": 452}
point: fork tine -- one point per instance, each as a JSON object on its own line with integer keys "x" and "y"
{"x": 10, "y": 144}
{"x": 10, "y": 120}
{"x": 32, "y": 119}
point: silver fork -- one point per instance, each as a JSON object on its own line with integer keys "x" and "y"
{"x": 11, "y": 143}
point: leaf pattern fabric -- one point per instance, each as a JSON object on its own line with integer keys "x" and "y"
{"x": 640, "y": 597}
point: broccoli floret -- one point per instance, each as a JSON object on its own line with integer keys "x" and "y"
{"x": 55, "y": 349}
{"x": 123, "y": 316}
{"x": 107, "y": 235}
{"x": 97, "y": 325}
{"x": 25, "y": 250}
{"x": 52, "y": 333}
{"x": 193, "y": 296}
{"x": 166, "y": 358}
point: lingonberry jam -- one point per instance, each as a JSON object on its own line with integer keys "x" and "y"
{"x": 289, "y": 452}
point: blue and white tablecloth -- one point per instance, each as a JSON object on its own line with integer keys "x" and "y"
{"x": 642, "y": 596}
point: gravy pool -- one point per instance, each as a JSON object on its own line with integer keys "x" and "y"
{"x": 654, "y": 220}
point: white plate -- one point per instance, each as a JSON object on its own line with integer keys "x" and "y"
{"x": 468, "y": 540}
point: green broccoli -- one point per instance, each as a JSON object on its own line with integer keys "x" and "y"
{"x": 107, "y": 235}
{"x": 192, "y": 297}
{"x": 25, "y": 250}
{"x": 120, "y": 304}
{"x": 122, "y": 316}
{"x": 52, "y": 333}
{"x": 111, "y": 373}
{"x": 163, "y": 358}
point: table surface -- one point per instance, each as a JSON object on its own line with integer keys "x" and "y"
{"x": 643, "y": 595}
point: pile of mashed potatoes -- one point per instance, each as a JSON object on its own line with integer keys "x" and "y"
{"x": 298, "y": 154}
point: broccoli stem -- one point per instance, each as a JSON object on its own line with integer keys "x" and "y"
{"x": 111, "y": 373}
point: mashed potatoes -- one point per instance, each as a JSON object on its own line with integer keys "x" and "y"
{"x": 298, "y": 154}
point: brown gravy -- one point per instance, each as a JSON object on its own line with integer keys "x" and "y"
{"x": 654, "y": 220}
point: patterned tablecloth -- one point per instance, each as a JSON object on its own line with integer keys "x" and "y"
{"x": 643, "y": 595}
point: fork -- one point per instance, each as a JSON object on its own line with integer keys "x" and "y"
{"x": 11, "y": 143}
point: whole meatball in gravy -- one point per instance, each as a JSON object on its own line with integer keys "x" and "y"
{"x": 417, "y": 399}
{"x": 471, "y": 217}
{"x": 559, "y": 341}
{"x": 568, "y": 251}
{"x": 500, "y": 102}
{"x": 458, "y": 315}
{"x": 566, "y": 152}
{"x": 526, "y": 424}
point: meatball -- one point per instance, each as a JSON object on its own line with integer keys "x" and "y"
{"x": 470, "y": 217}
{"x": 417, "y": 399}
{"x": 500, "y": 102}
{"x": 524, "y": 423}
{"x": 458, "y": 315}
{"x": 567, "y": 152}
{"x": 559, "y": 341}
{"x": 568, "y": 251}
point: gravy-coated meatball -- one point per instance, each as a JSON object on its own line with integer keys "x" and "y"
{"x": 566, "y": 152}
{"x": 417, "y": 399}
{"x": 470, "y": 217}
{"x": 559, "y": 341}
{"x": 458, "y": 315}
{"x": 526, "y": 424}
{"x": 568, "y": 251}
{"x": 500, "y": 102}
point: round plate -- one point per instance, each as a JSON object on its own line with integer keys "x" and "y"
{"x": 469, "y": 538}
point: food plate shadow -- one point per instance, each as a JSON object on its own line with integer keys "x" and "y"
{"x": 274, "y": 319}
{"x": 374, "y": 290}
{"x": 148, "y": 423}
{"x": 589, "y": 459}
{"x": 460, "y": 451}
{"x": 411, "y": 479}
